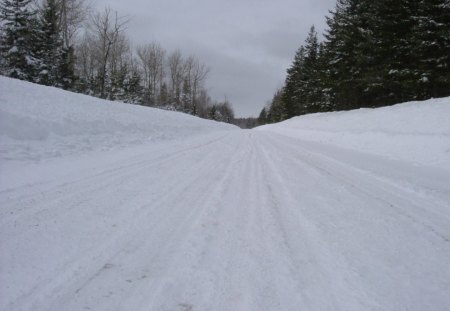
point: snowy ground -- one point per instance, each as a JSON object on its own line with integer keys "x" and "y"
{"x": 302, "y": 215}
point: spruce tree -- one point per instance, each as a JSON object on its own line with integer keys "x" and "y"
{"x": 395, "y": 21}
{"x": 310, "y": 90}
{"x": 186, "y": 97}
{"x": 67, "y": 77}
{"x": 277, "y": 109}
{"x": 292, "y": 92}
{"x": 430, "y": 48}
{"x": 133, "y": 87}
{"x": 50, "y": 46}
{"x": 262, "y": 119}
{"x": 348, "y": 49}
{"x": 304, "y": 87}
{"x": 19, "y": 60}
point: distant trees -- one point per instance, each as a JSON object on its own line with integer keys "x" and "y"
{"x": 375, "y": 53}
{"x": 277, "y": 108}
{"x": 43, "y": 41}
{"x": 222, "y": 112}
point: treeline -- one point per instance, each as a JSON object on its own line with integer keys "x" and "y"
{"x": 375, "y": 53}
{"x": 246, "y": 123}
{"x": 62, "y": 43}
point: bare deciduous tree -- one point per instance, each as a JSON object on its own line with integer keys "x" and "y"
{"x": 106, "y": 27}
{"x": 176, "y": 72}
{"x": 194, "y": 76}
{"x": 199, "y": 73}
{"x": 72, "y": 15}
{"x": 152, "y": 61}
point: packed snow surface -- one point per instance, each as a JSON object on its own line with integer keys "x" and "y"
{"x": 108, "y": 206}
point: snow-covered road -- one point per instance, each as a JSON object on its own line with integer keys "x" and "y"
{"x": 233, "y": 220}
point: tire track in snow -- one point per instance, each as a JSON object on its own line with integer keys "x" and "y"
{"x": 73, "y": 270}
{"x": 358, "y": 224}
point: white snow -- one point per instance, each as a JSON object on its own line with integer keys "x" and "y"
{"x": 108, "y": 206}
{"x": 416, "y": 132}
{"x": 40, "y": 122}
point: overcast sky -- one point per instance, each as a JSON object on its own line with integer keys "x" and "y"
{"x": 248, "y": 44}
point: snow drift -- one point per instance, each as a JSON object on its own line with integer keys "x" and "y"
{"x": 417, "y": 132}
{"x": 39, "y": 122}
{"x": 180, "y": 213}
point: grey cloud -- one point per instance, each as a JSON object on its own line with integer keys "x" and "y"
{"x": 248, "y": 44}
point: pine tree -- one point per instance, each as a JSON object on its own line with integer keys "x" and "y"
{"x": 323, "y": 74}
{"x": 430, "y": 48}
{"x": 262, "y": 119}
{"x": 16, "y": 46}
{"x": 116, "y": 86}
{"x": 348, "y": 52}
{"x": 50, "y": 46}
{"x": 395, "y": 21}
{"x": 213, "y": 113}
{"x": 67, "y": 77}
{"x": 292, "y": 91}
{"x": 133, "y": 88}
{"x": 304, "y": 86}
{"x": 310, "y": 85}
{"x": 186, "y": 99}
{"x": 277, "y": 109}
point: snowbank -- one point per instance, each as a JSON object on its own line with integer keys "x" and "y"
{"x": 417, "y": 132}
{"x": 39, "y": 122}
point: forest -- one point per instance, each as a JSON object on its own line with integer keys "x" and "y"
{"x": 373, "y": 54}
{"x": 65, "y": 44}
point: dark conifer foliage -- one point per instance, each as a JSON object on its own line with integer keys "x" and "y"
{"x": 49, "y": 46}
{"x": 277, "y": 109}
{"x": 292, "y": 92}
{"x": 262, "y": 118}
{"x": 431, "y": 48}
{"x": 17, "y": 57}
{"x": 375, "y": 53}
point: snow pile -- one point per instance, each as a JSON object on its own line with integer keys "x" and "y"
{"x": 39, "y": 122}
{"x": 417, "y": 132}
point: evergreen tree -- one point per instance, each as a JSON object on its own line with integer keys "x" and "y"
{"x": 186, "y": 98}
{"x": 348, "y": 52}
{"x": 310, "y": 88}
{"x": 262, "y": 119}
{"x": 304, "y": 86}
{"x": 16, "y": 45}
{"x": 292, "y": 90}
{"x": 430, "y": 48}
{"x": 395, "y": 21}
{"x": 277, "y": 109}
{"x": 133, "y": 88}
{"x": 116, "y": 86}
{"x": 213, "y": 113}
{"x": 67, "y": 77}
{"x": 226, "y": 112}
{"x": 50, "y": 46}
